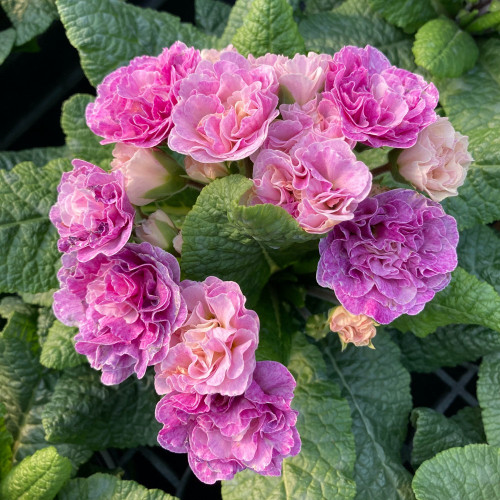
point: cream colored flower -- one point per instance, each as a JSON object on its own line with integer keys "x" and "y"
{"x": 351, "y": 328}
{"x": 204, "y": 172}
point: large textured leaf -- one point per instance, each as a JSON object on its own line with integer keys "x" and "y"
{"x": 447, "y": 346}
{"x": 465, "y": 300}
{"x": 444, "y": 49}
{"x": 488, "y": 394}
{"x": 235, "y": 20}
{"x": 38, "y": 477}
{"x": 211, "y": 15}
{"x": 324, "y": 467}
{"x": 6, "y": 441}
{"x": 378, "y": 390}
{"x": 29, "y": 17}
{"x": 435, "y": 433}
{"x": 315, "y": 6}
{"x": 38, "y": 156}
{"x": 405, "y": 14}
{"x": 58, "y": 350}
{"x": 100, "y": 416}
{"x": 355, "y": 23}
{"x": 7, "y": 38}
{"x": 29, "y": 258}
{"x": 82, "y": 143}
{"x": 469, "y": 473}
{"x": 108, "y": 487}
{"x": 109, "y": 33}
{"x": 269, "y": 27}
{"x": 238, "y": 243}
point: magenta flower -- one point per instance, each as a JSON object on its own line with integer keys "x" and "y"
{"x": 126, "y": 307}
{"x": 380, "y": 105}
{"x": 224, "y": 110}
{"x": 134, "y": 103}
{"x": 93, "y": 214}
{"x": 214, "y": 350}
{"x": 392, "y": 258}
{"x": 224, "y": 435}
{"x": 320, "y": 184}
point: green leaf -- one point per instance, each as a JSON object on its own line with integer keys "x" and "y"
{"x": 448, "y": 346}
{"x": 489, "y": 396}
{"x": 82, "y": 143}
{"x": 315, "y": 6}
{"x": 7, "y": 38}
{"x": 29, "y": 17}
{"x": 58, "y": 351}
{"x": 99, "y": 416}
{"x": 235, "y": 20}
{"x": 6, "y": 441}
{"x": 211, "y": 15}
{"x": 29, "y": 258}
{"x": 324, "y": 466}
{"x": 355, "y": 23}
{"x": 105, "y": 486}
{"x": 465, "y": 300}
{"x": 468, "y": 473}
{"x": 379, "y": 423}
{"x": 435, "y": 433}
{"x": 43, "y": 299}
{"x": 269, "y": 27}
{"x": 238, "y": 243}
{"x": 444, "y": 49}
{"x": 109, "y": 33}
{"x": 38, "y": 477}
{"x": 38, "y": 156}
{"x": 484, "y": 22}
{"x": 405, "y": 14}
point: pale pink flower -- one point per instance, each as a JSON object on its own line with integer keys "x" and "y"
{"x": 158, "y": 229}
{"x": 358, "y": 329}
{"x": 214, "y": 350}
{"x": 204, "y": 172}
{"x": 213, "y": 55}
{"x": 438, "y": 162}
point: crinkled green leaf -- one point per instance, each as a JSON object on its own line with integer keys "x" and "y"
{"x": 444, "y": 49}
{"x": 447, "y": 346}
{"x": 465, "y": 300}
{"x": 99, "y": 416}
{"x": 58, "y": 351}
{"x": 43, "y": 299}
{"x": 29, "y": 258}
{"x": 38, "y": 477}
{"x": 315, "y": 6}
{"x": 469, "y": 473}
{"x": 235, "y": 20}
{"x": 38, "y": 156}
{"x": 484, "y": 22}
{"x": 211, "y": 15}
{"x": 82, "y": 143}
{"x": 377, "y": 387}
{"x": 105, "y": 486}
{"x": 408, "y": 14}
{"x": 238, "y": 243}
{"x": 29, "y": 17}
{"x": 355, "y": 23}
{"x": 6, "y": 441}
{"x": 324, "y": 466}
{"x": 109, "y": 33}
{"x": 7, "y": 38}
{"x": 435, "y": 433}
{"x": 488, "y": 394}
{"x": 269, "y": 27}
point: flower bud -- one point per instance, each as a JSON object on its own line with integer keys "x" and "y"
{"x": 358, "y": 329}
{"x": 438, "y": 162}
{"x": 158, "y": 229}
{"x": 150, "y": 174}
{"x": 204, "y": 172}
{"x": 177, "y": 242}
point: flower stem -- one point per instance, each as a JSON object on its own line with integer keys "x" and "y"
{"x": 381, "y": 170}
{"x": 196, "y": 185}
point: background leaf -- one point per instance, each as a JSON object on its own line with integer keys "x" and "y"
{"x": 58, "y": 351}
{"x": 405, "y": 14}
{"x": 211, "y": 15}
{"x": 38, "y": 156}
{"x": 6, "y": 441}
{"x": 7, "y": 39}
{"x": 488, "y": 395}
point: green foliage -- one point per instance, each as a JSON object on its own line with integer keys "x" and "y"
{"x": 378, "y": 390}
{"x": 324, "y": 467}
{"x": 444, "y": 49}
{"x": 465, "y": 300}
{"x": 82, "y": 143}
{"x": 29, "y": 258}
{"x": 109, "y": 33}
{"x": 5, "y": 445}
{"x": 237, "y": 243}
{"x": 467, "y": 473}
{"x": 355, "y": 23}
{"x": 211, "y": 15}
{"x": 405, "y": 14}
{"x": 98, "y": 416}
{"x": 58, "y": 351}
{"x": 38, "y": 156}
{"x": 315, "y": 6}
{"x": 108, "y": 487}
{"x": 7, "y": 39}
{"x": 235, "y": 20}
{"x": 435, "y": 433}
{"x": 489, "y": 396}
{"x": 38, "y": 477}
{"x": 29, "y": 17}
{"x": 269, "y": 27}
